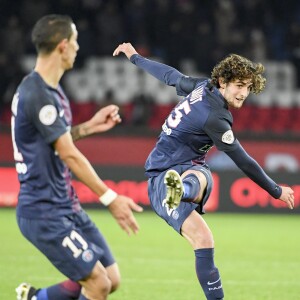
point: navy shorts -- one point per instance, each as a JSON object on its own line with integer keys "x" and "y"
{"x": 72, "y": 243}
{"x": 157, "y": 194}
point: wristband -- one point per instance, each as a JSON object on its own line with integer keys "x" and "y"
{"x": 108, "y": 197}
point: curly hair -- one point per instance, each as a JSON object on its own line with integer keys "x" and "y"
{"x": 235, "y": 67}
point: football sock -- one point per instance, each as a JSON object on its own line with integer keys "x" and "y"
{"x": 208, "y": 275}
{"x": 191, "y": 186}
{"x": 42, "y": 294}
{"x": 67, "y": 290}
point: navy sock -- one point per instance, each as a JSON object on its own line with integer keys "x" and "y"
{"x": 191, "y": 186}
{"x": 42, "y": 294}
{"x": 67, "y": 290}
{"x": 208, "y": 275}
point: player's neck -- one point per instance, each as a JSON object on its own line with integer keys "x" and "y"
{"x": 49, "y": 69}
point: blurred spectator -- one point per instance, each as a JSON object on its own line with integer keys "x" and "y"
{"x": 209, "y": 29}
{"x": 176, "y": 32}
{"x": 142, "y": 110}
{"x": 86, "y": 41}
{"x": 258, "y": 46}
{"x": 11, "y": 51}
{"x": 108, "y": 28}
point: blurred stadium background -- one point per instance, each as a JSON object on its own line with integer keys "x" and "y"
{"x": 191, "y": 36}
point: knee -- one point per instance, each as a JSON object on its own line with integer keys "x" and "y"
{"x": 202, "y": 183}
{"x": 115, "y": 284}
{"x": 203, "y": 240}
{"x": 104, "y": 288}
{"x": 114, "y": 276}
{"x": 99, "y": 290}
{"x": 98, "y": 285}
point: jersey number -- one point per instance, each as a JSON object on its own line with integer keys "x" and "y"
{"x": 173, "y": 121}
{"x": 68, "y": 242}
{"x": 18, "y": 157}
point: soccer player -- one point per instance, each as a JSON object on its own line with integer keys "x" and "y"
{"x": 49, "y": 214}
{"x": 180, "y": 182}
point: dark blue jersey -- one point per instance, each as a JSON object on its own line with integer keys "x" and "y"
{"x": 40, "y": 115}
{"x": 198, "y": 122}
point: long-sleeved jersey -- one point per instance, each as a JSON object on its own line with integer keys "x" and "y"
{"x": 198, "y": 122}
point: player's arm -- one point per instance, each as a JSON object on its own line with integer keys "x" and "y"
{"x": 254, "y": 171}
{"x": 120, "y": 206}
{"x": 218, "y": 128}
{"x": 166, "y": 74}
{"x": 104, "y": 119}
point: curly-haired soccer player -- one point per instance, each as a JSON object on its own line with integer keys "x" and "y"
{"x": 180, "y": 182}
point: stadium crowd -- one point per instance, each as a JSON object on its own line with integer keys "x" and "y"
{"x": 201, "y": 32}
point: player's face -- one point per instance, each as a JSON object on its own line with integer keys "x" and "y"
{"x": 71, "y": 50}
{"x": 236, "y": 92}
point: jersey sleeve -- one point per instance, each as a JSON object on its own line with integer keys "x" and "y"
{"x": 187, "y": 84}
{"x": 254, "y": 171}
{"x": 218, "y": 128}
{"x": 162, "y": 72}
{"x": 168, "y": 75}
{"x": 42, "y": 110}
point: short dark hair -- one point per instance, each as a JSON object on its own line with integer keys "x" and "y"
{"x": 49, "y": 31}
{"x": 235, "y": 67}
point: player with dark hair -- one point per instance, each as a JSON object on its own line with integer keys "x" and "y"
{"x": 49, "y": 214}
{"x": 180, "y": 182}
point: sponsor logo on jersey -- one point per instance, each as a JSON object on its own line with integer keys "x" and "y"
{"x": 48, "y": 114}
{"x": 228, "y": 137}
{"x": 205, "y": 148}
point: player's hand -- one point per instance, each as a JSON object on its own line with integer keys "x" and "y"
{"x": 105, "y": 119}
{"x": 126, "y": 48}
{"x": 287, "y": 196}
{"x": 121, "y": 208}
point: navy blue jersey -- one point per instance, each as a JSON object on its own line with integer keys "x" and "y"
{"x": 197, "y": 123}
{"x": 40, "y": 115}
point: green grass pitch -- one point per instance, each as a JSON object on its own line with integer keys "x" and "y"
{"x": 258, "y": 257}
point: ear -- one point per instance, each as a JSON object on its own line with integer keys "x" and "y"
{"x": 62, "y": 45}
{"x": 221, "y": 83}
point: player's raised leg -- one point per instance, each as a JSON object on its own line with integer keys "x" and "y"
{"x": 186, "y": 188}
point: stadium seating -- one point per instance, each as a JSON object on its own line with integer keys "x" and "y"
{"x": 105, "y": 80}
{"x": 248, "y": 119}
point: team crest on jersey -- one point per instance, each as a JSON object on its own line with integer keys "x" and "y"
{"x": 228, "y": 137}
{"x": 88, "y": 255}
{"x": 175, "y": 214}
{"x": 48, "y": 114}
